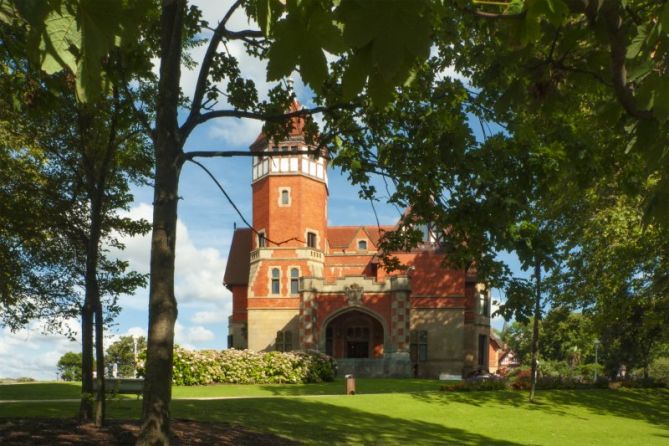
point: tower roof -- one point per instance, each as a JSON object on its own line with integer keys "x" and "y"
{"x": 296, "y": 131}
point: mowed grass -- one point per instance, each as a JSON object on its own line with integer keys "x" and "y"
{"x": 417, "y": 417}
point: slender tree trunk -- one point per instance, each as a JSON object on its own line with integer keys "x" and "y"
{"x": 100, "y": 409}
{"x": 162, "y": 303}
{"x": 93, "y": 290}
{"x": 85, "y": 406}
{"x": 535, "y": 329}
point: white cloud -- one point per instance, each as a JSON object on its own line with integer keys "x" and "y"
{"x": 189, "y": 337}
{"x": 235, "y": 132}
{"x": 198, "y": 273}
{"x": 211, "y": 317}
{"x": 30, "y": 352}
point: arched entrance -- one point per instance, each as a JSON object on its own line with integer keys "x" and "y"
{"x": 354, "y": 334}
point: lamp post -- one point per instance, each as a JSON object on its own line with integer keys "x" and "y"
{"x": 596, "y": 359}
{"x": 134, "y": 353}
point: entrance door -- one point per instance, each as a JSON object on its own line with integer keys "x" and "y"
{"x": 357, "y": 349}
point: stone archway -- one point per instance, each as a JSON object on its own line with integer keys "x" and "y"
{"x": 354, "y": 334}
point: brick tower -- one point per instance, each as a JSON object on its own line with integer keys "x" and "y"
{"x": 290, "y": 196}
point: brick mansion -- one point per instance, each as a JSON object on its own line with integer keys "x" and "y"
{"x": 298, "y": 283}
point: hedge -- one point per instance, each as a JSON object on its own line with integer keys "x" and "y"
{"x": 201, "y": 367}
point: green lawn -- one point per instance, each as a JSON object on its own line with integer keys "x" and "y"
{"x": 414, "y": 415}
{"x": 61, "y": 390}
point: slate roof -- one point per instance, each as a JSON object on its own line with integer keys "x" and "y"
{"x": 237, "y": 269}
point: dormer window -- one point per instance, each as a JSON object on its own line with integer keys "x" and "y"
{"x": 362, "y": 245}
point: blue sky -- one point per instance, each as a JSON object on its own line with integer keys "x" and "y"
{"x": 204, "y": 233}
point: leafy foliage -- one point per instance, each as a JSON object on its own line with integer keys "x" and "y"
{"x": 69, "y": 366}
{"x": 122, "y": 353}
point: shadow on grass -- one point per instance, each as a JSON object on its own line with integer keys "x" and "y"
{"x": 639, "y": 404}
{"x": 40, "y": 391}
{"x": 317, "y": 423}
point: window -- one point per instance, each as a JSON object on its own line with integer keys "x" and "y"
{"x": 284, "y": 341}
{"x": 285, "y": 198}
{"x": 362, "y": 245}
{"x": 483, "y": 350}
{"x": 418, "y": 349}
{"x": 262, "y": 242}
{"x": 294, "y": 281}
{"x": 276, "y": 281}
{"x": 484, "y": 304}
{"x": 311, "y": 239}
{"x": 230, "y": 341}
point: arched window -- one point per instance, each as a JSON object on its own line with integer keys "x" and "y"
{"x": 276, "y": 281}
{"x": 294, "y": 281}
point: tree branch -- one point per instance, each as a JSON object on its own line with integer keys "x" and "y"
{"x": 230, "y": 153}
{"x": 198, "y": 118}
{"x": 618, "y": 46}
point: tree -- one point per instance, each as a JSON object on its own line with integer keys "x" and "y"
{"x": 69, "y": 366}
{"x": 124, "y": 353}
{"x": 465, "y": 37}
{"x": 88, "y": 154}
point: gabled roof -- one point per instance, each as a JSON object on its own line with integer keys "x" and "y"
{"x": 237, "y": 269}
{"x": 342, "y": 236}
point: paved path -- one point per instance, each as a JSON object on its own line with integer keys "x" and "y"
{"x": 202, "y": 398}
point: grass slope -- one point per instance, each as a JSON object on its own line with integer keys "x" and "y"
{"x": 418, "y": 417}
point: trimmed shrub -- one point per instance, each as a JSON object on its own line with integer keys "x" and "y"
{"x": 471, "y": 385}
{"x": 201, "y": 367}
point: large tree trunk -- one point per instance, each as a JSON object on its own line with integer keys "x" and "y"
{"x": 535, "y": 329}
{"x": 162, "y": 303}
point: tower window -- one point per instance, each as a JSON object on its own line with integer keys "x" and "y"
{"x": 294, "y": 281}
{"x": 276, "y": 281}
{"x": 311, "y": 239}
{"x": 362, "y": 245}
{"x": 262, "y": 242}
{"x": 285, "y": 198}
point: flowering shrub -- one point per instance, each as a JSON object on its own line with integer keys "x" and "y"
{"x": 200, "y": 367}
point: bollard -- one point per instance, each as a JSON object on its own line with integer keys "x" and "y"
{"x": 350, "y": 384}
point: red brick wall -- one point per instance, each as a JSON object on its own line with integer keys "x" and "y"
{"x": 239, "y": 303}
{"x": 308, "y": 199}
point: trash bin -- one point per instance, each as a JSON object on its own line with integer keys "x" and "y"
{"x": 350, "y": 384}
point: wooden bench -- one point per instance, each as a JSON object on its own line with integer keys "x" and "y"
{"x": 123, "y": 386}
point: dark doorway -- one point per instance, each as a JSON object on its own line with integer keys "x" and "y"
{"x": 354, "y": 334}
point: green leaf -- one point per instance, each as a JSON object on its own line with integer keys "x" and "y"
{"x": 313, "y": 66}
{"x": 60, "y": 39}
{"x": 634, "y": 48}
{"x": 355, "y": 74}
{"x": 264, "y": 15}
{"x": 283, "y": 54}
{"x": 664, "y": 18}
